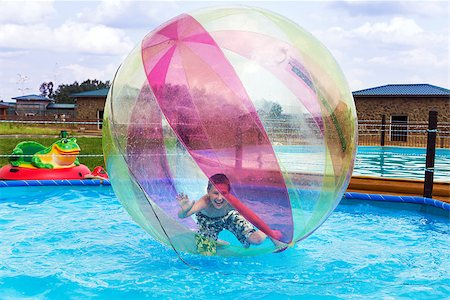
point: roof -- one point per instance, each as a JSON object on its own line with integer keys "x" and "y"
{"x": 94, "y": 93}
{"x": 404, "y": 90}
{"x": 61, "y": 106}
{"x": 5, "y": 104}
{"x": 33, "y": 97}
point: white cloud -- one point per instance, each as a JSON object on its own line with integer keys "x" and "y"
{"x": 387, "y": 41}
{"x": 402, "y": 41}
{"x": 422, "y": 57}
{"x": 386, "y": 34}
{"x": 355, "y": 77}
{"x": 128, "y": 13}
{"x": 431, "y": 9}
{"x": 26, "y": 12}
{"x": 81, "y": 72}
{"x": 12, "y": 54}
{"x": 374, "y": 8}
{"x": 105, "y": 11}
{"x": 413, "y": 58}
{"x": 379, "y": 60}
{"x": 97, "y": 39}
{"x": 398, "y": 29}
{"x": 69, "y": 37}
{"x": 398, "y": 49}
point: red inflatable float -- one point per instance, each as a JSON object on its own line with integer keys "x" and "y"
{"x": 9, "y": 172}
{"x": 33, "y": 161}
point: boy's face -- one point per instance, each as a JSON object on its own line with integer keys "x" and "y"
{"x": 217, "y": 195}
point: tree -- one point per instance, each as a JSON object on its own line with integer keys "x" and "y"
{"x": 275, "y": 111}
{"x": 46, "y": 89}
{"x": 270, "y": 109}
{"x": 63, "y": 92}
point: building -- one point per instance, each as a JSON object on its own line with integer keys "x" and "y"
{"x": 31, "y": 105}
{"x": 402, "y": 105}
{"x": 403, "y": 102}
{"x": 396, "y": 101}
{"x": 61, "y": 110}
{"x": 398, "y": 113}
{"x": 90, "y": 105}
{"x": 41, "y": 107}
{"x": 3, "y": 110}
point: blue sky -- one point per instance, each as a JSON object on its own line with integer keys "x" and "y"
{"x": 374, "y": 42}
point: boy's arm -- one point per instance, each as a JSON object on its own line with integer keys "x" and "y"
{"x": 189, "y": 208}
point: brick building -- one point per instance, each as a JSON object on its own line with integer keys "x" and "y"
{"x": 400, "y": 112}
{"x": 403, "y": 102}
{"x": 90, "y": 105}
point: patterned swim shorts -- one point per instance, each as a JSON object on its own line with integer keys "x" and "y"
{"x": 210, "y": 228}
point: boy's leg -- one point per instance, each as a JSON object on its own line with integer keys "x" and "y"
{"x": 246, "y": 233}
{"x": 243, "y": 229}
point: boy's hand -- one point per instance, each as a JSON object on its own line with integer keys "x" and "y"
{"x": 184, "y": 202}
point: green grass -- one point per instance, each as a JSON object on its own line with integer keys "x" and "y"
{"x": 11, "y": 128}
{"x": 88, "y": 145}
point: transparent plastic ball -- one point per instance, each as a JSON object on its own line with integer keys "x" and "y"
{"x": 242, "y": 92}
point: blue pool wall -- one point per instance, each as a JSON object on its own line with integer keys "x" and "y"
{"x": 348, "y": 195}
{"x": 60, "y": 182}
{"x": 400, "y": 199}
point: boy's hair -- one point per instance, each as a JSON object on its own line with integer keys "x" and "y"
{"x": 218, "y": 179}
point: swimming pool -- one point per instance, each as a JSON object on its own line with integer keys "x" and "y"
{"x": 78, "y": 242}
{"x": 400, "y": 162}
{"x": 389, "y": 162}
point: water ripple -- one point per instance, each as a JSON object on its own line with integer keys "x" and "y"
{"x": 80, "y": 243}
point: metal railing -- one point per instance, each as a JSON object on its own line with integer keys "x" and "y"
{"x": 379, "y": 133}
{"x": 64, "y": 123}
{"x": 370, "y": 133}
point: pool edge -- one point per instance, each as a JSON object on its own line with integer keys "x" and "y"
{"x": 401, "y": 186}
{"x": 402, "y": 199}
{"x": 59, "y": 182}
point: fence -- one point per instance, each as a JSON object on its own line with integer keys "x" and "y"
{"x": 63, "y": 122}
{"x": 371, "y": 133}
{"x": 382, "y": 133}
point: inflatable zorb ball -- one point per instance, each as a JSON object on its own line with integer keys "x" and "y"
{"x": 242, "y": 92}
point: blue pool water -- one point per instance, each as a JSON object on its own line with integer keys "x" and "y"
{"x": 400, "y": 162}
{"x": 389, "y": 162}
{"x": 78, "y": 242}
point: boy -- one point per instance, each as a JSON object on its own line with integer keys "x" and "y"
{"x": 214, "y": 214}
